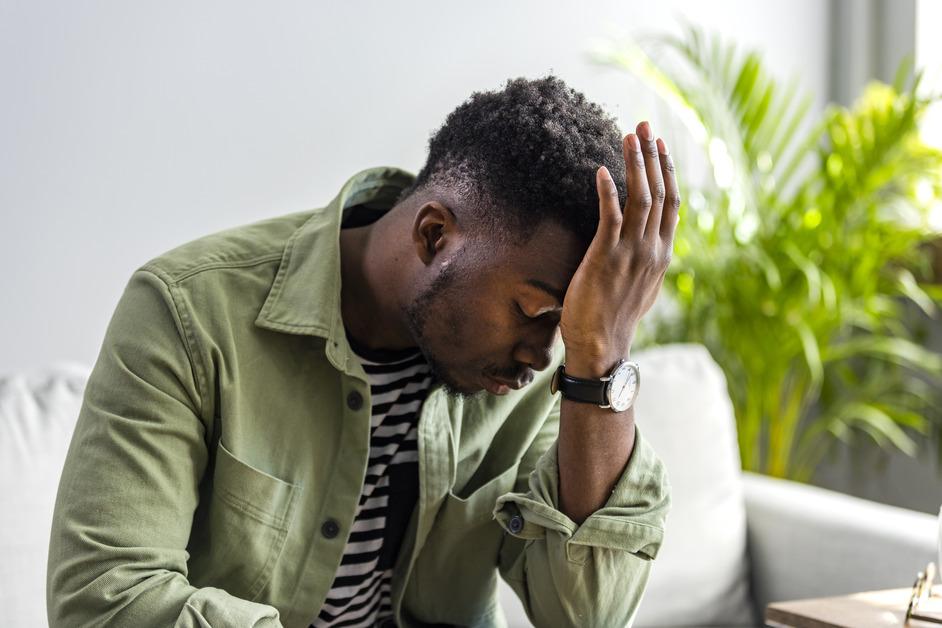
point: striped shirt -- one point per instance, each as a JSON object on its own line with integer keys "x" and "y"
{"x": 359, "y": 596}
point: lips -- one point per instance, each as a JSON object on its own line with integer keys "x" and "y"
{"x": 501, "y": 386}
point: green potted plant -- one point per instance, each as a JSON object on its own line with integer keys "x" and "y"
{"x": 794, "y": 263}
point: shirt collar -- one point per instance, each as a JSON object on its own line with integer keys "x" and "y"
{"x": 305, "y": 295}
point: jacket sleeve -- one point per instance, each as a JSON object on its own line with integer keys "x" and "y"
{"x": 129, "y": 488}
{"x": 593, "y": 574}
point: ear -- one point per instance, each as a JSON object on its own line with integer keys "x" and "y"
{"x": 433, "y": 228}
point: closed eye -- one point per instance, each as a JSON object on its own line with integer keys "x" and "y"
{"x": 554, "y": 313}
{"x": 519, "y": 311}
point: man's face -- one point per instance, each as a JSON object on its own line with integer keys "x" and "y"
{"x": 492, "y": 314}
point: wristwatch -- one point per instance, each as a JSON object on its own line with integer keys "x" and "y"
{"x": 617, "y": 390}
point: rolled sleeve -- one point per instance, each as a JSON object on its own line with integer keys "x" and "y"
{"x": 592, "y": 573}
{"x": 209, "y": 607}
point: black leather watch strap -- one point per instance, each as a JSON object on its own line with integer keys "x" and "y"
{"x": 578, "y": 389}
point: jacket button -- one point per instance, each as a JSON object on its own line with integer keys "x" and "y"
{"x": 330, "y": 528}
{"x": 515, "y": 524}
{"x": 354, "y": 400}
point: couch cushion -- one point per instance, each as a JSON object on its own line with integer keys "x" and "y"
{"x": 38, "y": 411}
{"x": 700, "y": 576}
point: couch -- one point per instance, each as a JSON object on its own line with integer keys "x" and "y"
{"x": 734, "y": 541}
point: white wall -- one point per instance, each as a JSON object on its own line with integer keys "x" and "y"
{"x": 127, "y": 128}
{"x": 928, "y": 52}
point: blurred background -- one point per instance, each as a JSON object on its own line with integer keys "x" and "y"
{"x": 812, "y": 195}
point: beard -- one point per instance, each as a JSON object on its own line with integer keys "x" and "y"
{"x": 418, "y": 314}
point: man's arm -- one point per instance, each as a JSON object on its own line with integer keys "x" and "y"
{"x": 591, "y": 573}
{"x": 599, "y": 496}
{"x": 614, "y": 287}
{"x": 128, "y": 491}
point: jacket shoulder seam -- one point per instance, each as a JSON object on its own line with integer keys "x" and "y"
{"x": 169, "y": 279}
{"x": 185, "y": 335}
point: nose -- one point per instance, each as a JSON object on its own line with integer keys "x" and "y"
{"x": 536, "y": 351}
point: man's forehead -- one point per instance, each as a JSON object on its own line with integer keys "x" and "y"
{"x": 548, "y": 260}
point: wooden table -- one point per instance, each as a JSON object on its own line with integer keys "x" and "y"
{"x": 860, "y": 610}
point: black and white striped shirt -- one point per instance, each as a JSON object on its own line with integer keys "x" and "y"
{"x": 359, "y": 595}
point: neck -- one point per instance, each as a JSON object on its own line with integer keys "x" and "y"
{"x": 372, "y": 273}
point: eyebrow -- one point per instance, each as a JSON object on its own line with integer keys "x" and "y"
{"x": 548, "y": 289}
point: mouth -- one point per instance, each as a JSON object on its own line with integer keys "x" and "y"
{"x": 502, "y": 386}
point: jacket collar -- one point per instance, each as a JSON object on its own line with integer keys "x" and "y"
{"x": 305, "y": 295}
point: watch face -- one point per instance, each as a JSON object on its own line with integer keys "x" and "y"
{"x": 623, "y": 387}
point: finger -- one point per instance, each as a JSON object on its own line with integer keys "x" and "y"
{"x": 609, "y": 212}
{"x": 670, "y": 215}
{"x": 639, "y": 195}
{"x": 652, "y": 168}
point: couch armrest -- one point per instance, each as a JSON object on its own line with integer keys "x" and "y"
{"x": 806, "y": 541}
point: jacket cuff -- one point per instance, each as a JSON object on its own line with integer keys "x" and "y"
{"x": 631, "y": 520}
{"x": 210, "y": 606}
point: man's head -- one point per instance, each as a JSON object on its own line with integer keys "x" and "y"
{"x": 502, "y": 213}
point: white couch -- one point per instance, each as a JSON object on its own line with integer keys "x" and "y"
{"x": 735, "y": 541}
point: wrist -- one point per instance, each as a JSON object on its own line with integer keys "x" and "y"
{"x": 586, "y": 367}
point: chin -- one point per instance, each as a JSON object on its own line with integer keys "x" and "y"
{"x": 456, "y": 387}
{"x": 472, "y": 388}
{"x": 457, "y": 381}
{"x": 462, "y": 391}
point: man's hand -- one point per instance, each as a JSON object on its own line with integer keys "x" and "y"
{"x": 623, "y": 268}
{"x": 614, "y": 286}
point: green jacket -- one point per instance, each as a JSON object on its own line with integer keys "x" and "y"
{"x": 220, "y": 429}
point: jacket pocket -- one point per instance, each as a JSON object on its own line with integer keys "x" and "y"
{"x": 238, "y": 538}
{"x": 473, "y": 504}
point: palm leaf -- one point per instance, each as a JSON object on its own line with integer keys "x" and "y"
{"x": 795, "y": 277}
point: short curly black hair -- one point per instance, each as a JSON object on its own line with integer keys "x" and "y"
{"x": 526, "y": 154}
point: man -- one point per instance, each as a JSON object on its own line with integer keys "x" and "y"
{"x": 347, "y": 416}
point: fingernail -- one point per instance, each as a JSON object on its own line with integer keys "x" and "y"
{"x": 644, "y": 130}
{"x": 605, "y": 173}
{"x": 633, "y": 142}
{"x": 662, "y": 147}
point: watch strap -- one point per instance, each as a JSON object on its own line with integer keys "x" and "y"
{"x": 579, "y": 389}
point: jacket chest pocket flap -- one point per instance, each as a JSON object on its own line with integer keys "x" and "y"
{"x": 249, "y": 515}
{"x": 472, "y": 504}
